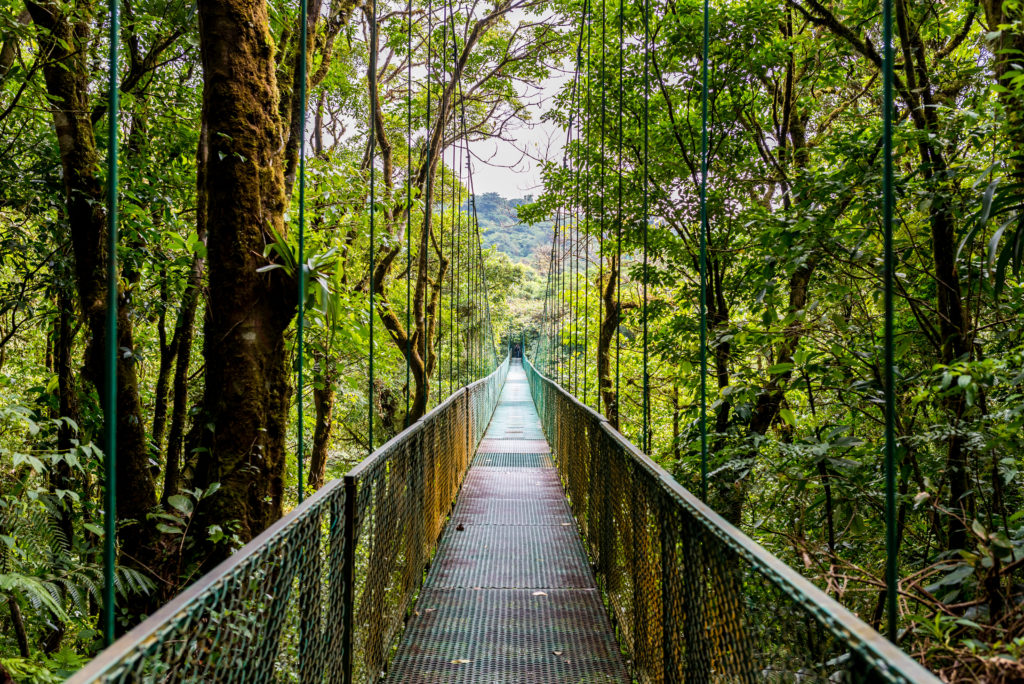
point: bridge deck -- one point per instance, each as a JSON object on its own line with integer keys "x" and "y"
{"x": 510, "y": 596}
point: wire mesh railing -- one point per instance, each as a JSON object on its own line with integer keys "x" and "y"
{"x": 321, "y": 595}
{"x": 692, "y": 598}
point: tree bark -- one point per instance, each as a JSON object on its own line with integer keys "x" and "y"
{"x": 163, "y": 376}
{"x": 67, "y": 80}
{"x": 609, "y": 325}
{"x": 247, "y": 377}
{"x": 323, "y": 403}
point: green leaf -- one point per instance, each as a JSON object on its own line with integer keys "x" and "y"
{"x": 181, "y": 503}
{"x": 788, "y": 416}
{"x": 979, "y": 529}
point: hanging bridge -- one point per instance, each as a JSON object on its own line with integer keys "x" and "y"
{"x": 510, "y": 535}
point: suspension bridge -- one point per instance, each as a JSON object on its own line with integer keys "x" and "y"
{"x": 510, "y": 535}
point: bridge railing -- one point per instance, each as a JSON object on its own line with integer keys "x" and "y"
{"x": 322, "y": 594}
{"x": 692, "y": 597}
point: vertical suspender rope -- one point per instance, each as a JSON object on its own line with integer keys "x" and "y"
{"x": 576, "y": 207}
{"x": 440, "y": 307}
{"x": 576, "y": 200}
{"x": 473, "y": 221}
{"x": 110, "y": 390}
{"x": 618, "y": 230}
{"x": 428, "y": 198}
{"x": 408, "y": 225}
{"x": 704, "y": 260}
{"x": 603, "y": 137}
{"x": 889, "y": 372}
{"x": 456, "y": 220}
{"x": 558, "y": 279}
{"x": 575, "y": 291}
{"x": 301, "y": 323}
{"x": 373, "y": 179}
{"x": 456, "y": 229}
{"x": 454, "y": 305}
{"x": 440, "y": 203}
{"x": 589, "y": 205}
{"x": 646, "y": 219}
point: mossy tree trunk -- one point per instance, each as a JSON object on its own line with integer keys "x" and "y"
{"x": 247, "y": 377}
{"x": 63, "y": 35}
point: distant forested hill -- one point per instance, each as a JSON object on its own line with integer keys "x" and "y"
{"x": 499, "y": 225}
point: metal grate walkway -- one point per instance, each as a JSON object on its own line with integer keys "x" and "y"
{"x": 510, "y": 596}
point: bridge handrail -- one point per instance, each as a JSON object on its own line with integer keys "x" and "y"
{"x": 291, "y": 600}
{"x": 673, "y": 631}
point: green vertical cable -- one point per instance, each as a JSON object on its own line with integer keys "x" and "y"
{"x": 456, "y": 194}
{"x": 704, "y": 260}
{"x": 303, "y": 17}
{"x": 441, "y": 211}
{"x": 373, "y": 180}
{"x": 576, "y": 200}
{"x": 549, "y": 304}
{"x": 589, "y": 19}
{"x": 408, "y": 228}
{"x": 456, "y": 295}
{"x": 428, "y": 194}
{"x": 575, "y": 177}
{"x": 889, "y": 373}
{"x": 618, "y": 234}
{"x": 440, "y": 306}
{"x": 646, "y": 220}
{"x": 602, "y": 134}
{"x": 110, "y": 390}
{"x": 575, "y": 292}
{"x": 566, "y": 331}
{"x": 440, "y": 203}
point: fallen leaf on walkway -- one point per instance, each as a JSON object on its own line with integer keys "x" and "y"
{"x": 460, "y": 661}
{"x": 558, "y": 653}
{"x": 539, "y": 593}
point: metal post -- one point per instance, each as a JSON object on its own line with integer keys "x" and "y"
{"x": 348, "y": 571}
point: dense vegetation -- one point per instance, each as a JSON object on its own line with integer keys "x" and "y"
{"x": 210, "y": 132}
{"x": 208, "y": 299}
{"x": 500, "y": 227}
{"x": 794, "y": 292}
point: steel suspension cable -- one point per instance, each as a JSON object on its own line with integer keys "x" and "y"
{"x": 583, "y": 144}
{"x": 301, "y": 323}
{"x": 408, "y": 225}
{"x": 618, "y": 233}
{"x": 373, "y": 216}
{"x": 704, "y": 259}
{"x": 440, "y": 204}
{"x": 110, "y": 390}
{"x": 646, "y": 220}
{"x": 578, "y": 96}
{"x": 589, "y": 204}
{"x": 428, "y": 198}
{"x": 455, "y": 255}
{"x": 603, "y": 137}
{"x": 888, "y": 202}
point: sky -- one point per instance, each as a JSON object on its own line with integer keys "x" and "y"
{"x": 512, "y": 168}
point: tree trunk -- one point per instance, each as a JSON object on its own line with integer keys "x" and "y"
{"x": 67, "y": 81}
{"x": 163, "y": 376}
{"x": 323, "y": 403}
{"x": 609, "y": 325}
{"x": 247, "y": 377}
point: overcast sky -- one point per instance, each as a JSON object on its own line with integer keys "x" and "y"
{"x": 512, "y": 168}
